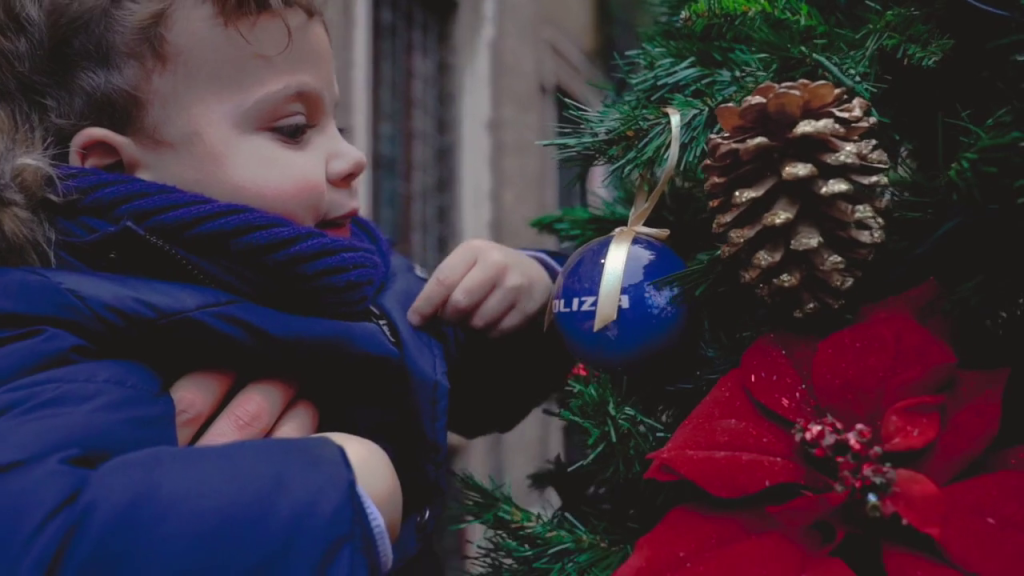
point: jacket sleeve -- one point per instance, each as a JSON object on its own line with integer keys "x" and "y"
{"x": 497, "y": 382}
{"x": 92, "y": 481}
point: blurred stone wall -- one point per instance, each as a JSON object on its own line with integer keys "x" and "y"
{"x": 507, "y": 62}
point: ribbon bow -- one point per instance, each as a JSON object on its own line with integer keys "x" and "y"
{"x": 615, "y": 260}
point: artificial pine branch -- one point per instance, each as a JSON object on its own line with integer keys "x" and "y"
{"x": 605, "y": 503}
{"x": 702, "y": 53}
{"x": 718, "y": 51}
{"x": 615, "y": 427}
{"x": 988, "y": 163}
{"x": 578, "y": 225}
{"x": 520, "y": 542}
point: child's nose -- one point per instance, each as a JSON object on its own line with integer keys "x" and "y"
{"x": 345, "y": 166}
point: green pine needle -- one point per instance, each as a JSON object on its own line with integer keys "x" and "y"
{"x": 616, "y": 429}
{"x": 520, "y": 542}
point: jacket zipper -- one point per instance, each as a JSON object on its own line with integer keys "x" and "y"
{"x": 167, "y": 249}
{"x": 381, "y": 320}
{"x": 373, "y": 314}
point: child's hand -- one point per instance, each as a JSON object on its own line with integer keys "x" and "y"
{"x": 491, "y": 287}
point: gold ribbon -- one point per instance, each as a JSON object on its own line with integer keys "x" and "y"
{"x": 610, "y": 290}
{"x": 615, "y": 261}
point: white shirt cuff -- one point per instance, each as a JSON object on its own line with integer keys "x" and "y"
{"x": 380, "y": 531}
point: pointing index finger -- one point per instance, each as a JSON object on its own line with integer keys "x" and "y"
{"x": 440, "y": 286}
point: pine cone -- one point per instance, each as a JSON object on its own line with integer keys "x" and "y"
{"x": 796, "y": 192}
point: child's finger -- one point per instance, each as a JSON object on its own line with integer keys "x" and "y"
{"x": 499, "y": 303}
{"x": 472, "y": 291}
{"x": 251, "y": 414}
{"x": 516, "y": 318}
{"x": 441, "y": 285}
{"x": 298, "y": 421}
{"x": 197, "y": 397}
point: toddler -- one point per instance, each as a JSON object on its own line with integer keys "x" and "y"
{"x": 175, "y": 196}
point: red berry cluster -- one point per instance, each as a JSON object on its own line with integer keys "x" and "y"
{"x": 856, "y": 456}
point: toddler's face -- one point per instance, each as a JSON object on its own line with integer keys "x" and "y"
{"x": 241, "y": 115}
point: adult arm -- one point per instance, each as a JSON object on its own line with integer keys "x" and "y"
{"x": 92, "y": 479}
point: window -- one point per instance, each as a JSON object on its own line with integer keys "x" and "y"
{"x": 413, "y": 152}
{"x": 572, "y": 192}
{"x": 413, "y": 195}
{"x": 572, "y": 181}
{"x": 620, "y": 21}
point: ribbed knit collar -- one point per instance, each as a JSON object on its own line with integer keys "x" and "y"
{"x": 263, "y": 256}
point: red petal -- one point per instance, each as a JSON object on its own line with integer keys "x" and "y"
{"x": 826, "y": 567}
{"x": 983, "y": 529}
{"x": 903, "y": 562}
{"x": 714, "y": 471}
{"x": 973, "y": 413}
{"x": 923, "y": 303}
{"x": 913, "y": 301}
{"x": 799, "y": 350}
{"x": 729, "y": 448}
{"x": 689, "y": 542}
{"x": 764, "y": 555}
{"x": 772, "y": 379}
{"x": 682, "y": 535}
{"x": 912, "y": 424}
{"x": 918, "y": 500}
{"x": 798, "y": 519}
{"x": 861, "y": 371}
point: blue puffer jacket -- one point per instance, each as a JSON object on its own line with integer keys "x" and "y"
{"x": 92, "y": 480}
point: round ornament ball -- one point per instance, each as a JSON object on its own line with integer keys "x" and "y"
{"x": 650, "y": 319}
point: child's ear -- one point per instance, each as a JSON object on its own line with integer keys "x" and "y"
{"x": 103, "y": 149}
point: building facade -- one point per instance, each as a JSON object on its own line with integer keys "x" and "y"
{"x": 449, "y": 98}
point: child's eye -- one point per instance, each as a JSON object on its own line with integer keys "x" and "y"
{"x": 293, "y": 132}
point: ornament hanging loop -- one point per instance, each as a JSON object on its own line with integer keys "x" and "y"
{"x": 643, "y": 204}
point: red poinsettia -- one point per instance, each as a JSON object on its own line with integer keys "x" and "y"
{"x": 876, "y": 427}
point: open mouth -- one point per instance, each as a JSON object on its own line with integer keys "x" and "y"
{"x": 340, "y": 227}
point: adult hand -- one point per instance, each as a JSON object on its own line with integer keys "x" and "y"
{"x": 264, "y": 408}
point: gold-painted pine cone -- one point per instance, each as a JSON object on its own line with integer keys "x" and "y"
{"x": 798, "y": 196}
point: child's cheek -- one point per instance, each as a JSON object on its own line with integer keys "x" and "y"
{"x": 299, "y": 202}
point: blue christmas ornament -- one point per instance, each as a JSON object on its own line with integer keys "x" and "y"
{"x": 608, "y": 304}
{"x": 650, "y": 316}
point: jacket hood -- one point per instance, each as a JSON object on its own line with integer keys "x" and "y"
{"x": 26, "y": 185}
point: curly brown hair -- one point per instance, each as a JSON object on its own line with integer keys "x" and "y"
{"x": 69, "y": 64}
